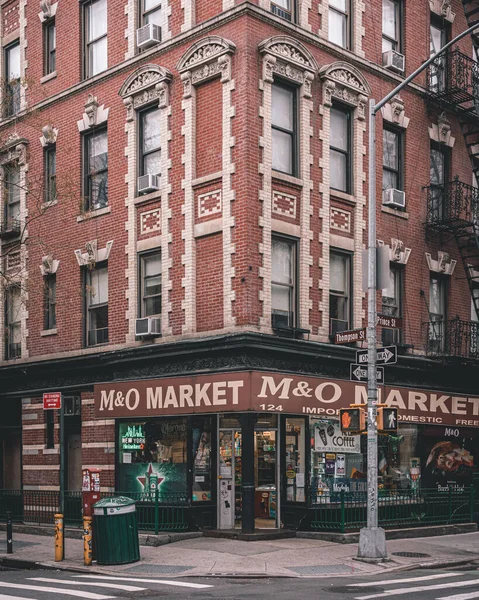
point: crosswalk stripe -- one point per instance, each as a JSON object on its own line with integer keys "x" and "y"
{"x": 7, "y": 597}
{"x": 126, "y": 588}
{"x": 133, "y": 579}
{"x": 461, "y": 596}
{"x": 408, "y": 580}
{"x": 421, "y": 588}
{"x": 53, "y": 590}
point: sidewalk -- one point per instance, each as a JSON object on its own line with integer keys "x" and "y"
{"x": 296, "y": 557}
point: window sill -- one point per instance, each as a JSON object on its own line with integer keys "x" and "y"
{"x": 207, "y": 179}
{"x": 292, "y": 332}
{"x": 287, "y": 178}
{"x": 48, "y": 77}
{"x": 147, "y": 197}
{"x": 395, "y": 212}
{"x": 47, "y": 332}
{"x": 93, "y": 214}
{"x": 342, "y": 196}
{"x": 47, "y": 205}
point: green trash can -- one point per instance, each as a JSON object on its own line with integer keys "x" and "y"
{"x": 115, "y": 531}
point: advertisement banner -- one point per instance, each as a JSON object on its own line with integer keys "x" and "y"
{"x": 144, "y": 478}
{"x": 330, "y": 438}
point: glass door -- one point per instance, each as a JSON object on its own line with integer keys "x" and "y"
{"x": 266, "y": 476}
{"x": 229, "y": 479}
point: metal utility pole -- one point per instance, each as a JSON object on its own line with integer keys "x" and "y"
{"x": 372, "y": 539}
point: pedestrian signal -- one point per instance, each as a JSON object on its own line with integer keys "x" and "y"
{"x": 353, "y": 420}
{"x": 387, "y": 419}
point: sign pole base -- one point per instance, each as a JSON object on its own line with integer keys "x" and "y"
{"x": 372, "y": 545}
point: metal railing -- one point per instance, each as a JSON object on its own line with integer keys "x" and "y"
{"x": 454, "y": 204}
{"x": 453, "y": 78}
{"x": 454, "y": 338}
{"x": 346, "y": 511}
{"x": 155, "y": 512}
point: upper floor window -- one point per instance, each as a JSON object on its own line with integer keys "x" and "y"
{"x": 283, "y": 9}
{"x": 96, "y": 170}
{"x": 150, "y": 142}
{"x": 391, "y": 25}
{"x": 340, "y": 150}
{"x": 283, "y": 282}
{"x": 439, "y": 167}
{"x": 437, "y": 39}
{"x": 150, "y": 277}
{"x": 50, "y": 46}
{"x": 50, "y": 301}
{"x": 12, "y": 79}
{"x": 13, "y": 305}
{"x": 95, "y": 27}
{"x": 284, "y": 128}
{"x": 392, "y": 304}
{"x": 338, "y": 22}
{"x": 11, "y": 180}
{"x": 392, "y": 159}
{"x": 339, "y": 291}
{"x": 437, "y": 313}
{"x": 50, "y": 163}
{"x": 96, "y": 314}
{"x": 150, "y": 12}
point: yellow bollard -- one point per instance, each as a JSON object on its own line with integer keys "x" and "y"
{"x": 87, "y": 541}
{"x": 58, "y": 538}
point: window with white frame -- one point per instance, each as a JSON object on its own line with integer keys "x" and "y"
{"x": 340, "y": 150}
{"x": 283, "y": 282}
{"x": 150, "y": 142}
{"x": 150, "y": 281}
{"x": 284, "y": 128}
{"x": 96, "y": 169}
{"x": 391, "y": 25}
{"x": 340, "y": 297}
{"x": 338, "y": 22}
{"x": 12, "y": 79}
{"x": 13, "y": 306}
{"x": 11, "y": 182}
{"x": 96, "y": 296}
{"x": 95, "y": 28}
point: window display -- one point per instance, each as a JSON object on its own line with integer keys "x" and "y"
{"x": 202, "y": 428}
{"x": 295, "y": 460}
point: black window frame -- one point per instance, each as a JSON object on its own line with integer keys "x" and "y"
{"x": 49, "y": 46}
{"x": 348, "y": 17}
{"x": 141, "y": 153}
{"x": 280, "y": 11}
{"x": 87, "y": 44}
{"x": 87, "y": 309}
{"x": 394, "y": 336}
{"x": 49, "y": 301}
{"x": 88, "y": 205}
{"x": 437, "y": 191}
{"x": 438, "y": 70}
{"x": 142, "y": 256}
{"x": 400, "y": 153}
{"x": 50, "y": 173}
{"x": 398, "y": 42}
{"x": 349, "y": 295}
{"x": 437, "y": 333}
{"x": 12, "y": 86}
{"x": 294, "y": 133}
{"x": 12, "y": 218}
{"x": 293, "y": 318}
{"x": 348, "y": 153}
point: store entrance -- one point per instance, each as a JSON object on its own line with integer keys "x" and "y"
{"x": 265, "y": 475}
{"x": 229, "y": 477}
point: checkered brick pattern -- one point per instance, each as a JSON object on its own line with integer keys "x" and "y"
{"x": 209, "y": 203}
{"x": 150, "y": 221}
{"x": 340, "y": 220}
{"x": 13, "y": 260}
{"x": 11, "y": 18}
{"x": 284, "y": 204}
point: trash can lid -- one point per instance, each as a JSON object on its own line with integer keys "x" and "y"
{"x": 114, "y": 505}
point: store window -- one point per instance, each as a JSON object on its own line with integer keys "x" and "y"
{"x": 338, "y": 22}
{"x": 202, "y": 428}
{"x": 295, "y": 459}
{"x": 153, "y": 455}
{"x": 284, "y": 128}
{"x": 340, "y": 150}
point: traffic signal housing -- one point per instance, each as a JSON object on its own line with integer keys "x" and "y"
{"x": 387, "y": 419}
{"x": 353, "y": 419}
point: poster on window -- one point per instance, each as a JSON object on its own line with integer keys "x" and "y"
{"x": 145, "y": 478}
{"x": 328, "y": 437}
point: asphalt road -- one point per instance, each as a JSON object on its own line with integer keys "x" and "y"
{"x": 414, "y": 585}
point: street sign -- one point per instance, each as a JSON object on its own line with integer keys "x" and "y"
{"x": 348, "y": 337}
{"x": 360, "y": 373}
{"x": 390, "y": 322}
{"x": 385, "y": 356}
{"x": 52, "y": 400}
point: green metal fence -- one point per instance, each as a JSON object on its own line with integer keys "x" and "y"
{"x": 155, "y": 512}
{"x": 347, "y": 511}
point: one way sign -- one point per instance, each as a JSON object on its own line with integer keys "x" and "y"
{"x": 359, "y": 373}
{"x": 385, "y": 356}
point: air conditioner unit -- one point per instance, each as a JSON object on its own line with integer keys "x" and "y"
{"x": 148, "y": 183}
{"x": 148, "y": 327}
{"x": 394, "y": 198}
{"x": 148, "y": 35}
{"x": 393, "y": 60}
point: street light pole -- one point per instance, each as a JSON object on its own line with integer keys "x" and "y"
{"x": 372, "y": 539}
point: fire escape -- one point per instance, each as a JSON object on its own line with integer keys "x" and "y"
{"x": 453, "y": 208}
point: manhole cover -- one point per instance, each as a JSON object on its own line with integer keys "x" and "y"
{"x": 159, "y": 569}
{"x": 321, "y": 569}
{"x": 411, "y": 554}
{"x": 353, "y": 589}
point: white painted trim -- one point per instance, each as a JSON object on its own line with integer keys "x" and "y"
{"x": 285, "y": 228}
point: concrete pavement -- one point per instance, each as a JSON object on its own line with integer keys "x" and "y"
{"x": 296, "y": 557}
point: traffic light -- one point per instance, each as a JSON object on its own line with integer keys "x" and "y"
{"x": 353, "y": 420}
{"x": 387, "y": 419}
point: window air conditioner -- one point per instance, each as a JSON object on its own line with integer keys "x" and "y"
{"x": 393, "y": 60}
{"x": 394, "y": 198}
{"x": 148, "y": 35}
{"x": 148, "y": 327}
{"x": 148, "y": 183}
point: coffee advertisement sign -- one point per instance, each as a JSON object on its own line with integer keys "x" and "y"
{"x": 330, "y": 438}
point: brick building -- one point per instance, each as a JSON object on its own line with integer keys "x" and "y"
{"x": 185, "y": 208}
